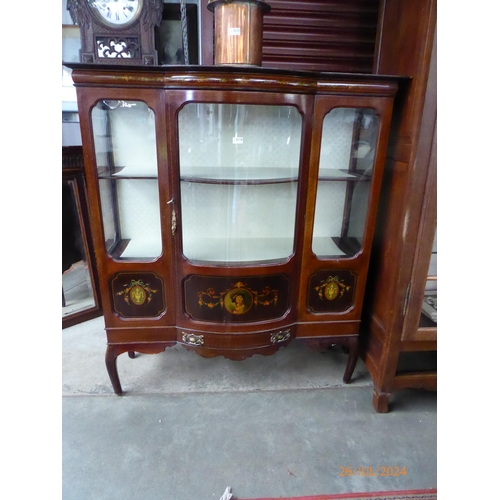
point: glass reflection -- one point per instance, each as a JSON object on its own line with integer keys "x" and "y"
{"x": 348, "y": 146}
{"x": 125, "y": 146}
{"x": 77, "y": 290}
{"x": 429, "y": 306}
{"x": 239, "y": 169}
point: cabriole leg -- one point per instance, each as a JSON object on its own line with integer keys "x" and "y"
{"x": 353, "y": 344}
{"x": 111, "y": 354}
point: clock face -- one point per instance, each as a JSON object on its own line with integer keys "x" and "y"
{"x": 119, "y": 13}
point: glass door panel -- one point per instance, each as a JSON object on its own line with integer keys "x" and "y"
{"x": 348, "y": 144}
{"x": 77, "y": 286}
{"x": 429, "y": 305}
{"x": 239, "y": 167}
{"x": 125, "y": 147}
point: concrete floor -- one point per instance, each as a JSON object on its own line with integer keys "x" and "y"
{"x": 187, "y": 426}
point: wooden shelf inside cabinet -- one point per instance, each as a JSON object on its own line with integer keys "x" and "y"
{"x": 328, "y": 248}
{"x": 344, "y": 175}
{"x": 119, "y": 173}
{"x": 269, "y": 176}
{"x": 135, "y": 249}
{"x": 246, "y": 182}
{"x": 349, "y": 245}
{"x": 238, "y": 175}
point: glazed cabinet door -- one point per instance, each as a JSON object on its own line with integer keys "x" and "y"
{"x": 239, "y": 173}
{"x": 348, "y": 150}
{"x": 127, "y": 172}
{"x": 420, "y": 311}
{"x": 242, "y": 160}
{"x": 80, "y": 293}
{"x": 127, "y": 168}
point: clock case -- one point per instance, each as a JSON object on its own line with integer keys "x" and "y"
{"x": 105, "y": 44}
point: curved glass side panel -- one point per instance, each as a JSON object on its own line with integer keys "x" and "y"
{"x": 239, "y": 167}
{"x": 125, "y": 148}
{"x": 348, "y": 143}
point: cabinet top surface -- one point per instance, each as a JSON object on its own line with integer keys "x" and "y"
{"x": 220, "y": 77}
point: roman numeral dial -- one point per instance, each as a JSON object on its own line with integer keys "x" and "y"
{"x": 116, "y": 12}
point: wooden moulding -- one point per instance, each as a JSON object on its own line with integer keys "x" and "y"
{"x": 238, "y": 31}
{"x": 242, "y": 77}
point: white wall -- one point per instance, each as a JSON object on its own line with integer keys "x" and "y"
{"x": 71, "y": 45}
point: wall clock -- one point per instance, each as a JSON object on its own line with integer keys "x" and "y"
{"x": 117, "y": 31}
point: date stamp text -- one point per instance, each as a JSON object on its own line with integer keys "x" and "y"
{"x": 381, "y": 471}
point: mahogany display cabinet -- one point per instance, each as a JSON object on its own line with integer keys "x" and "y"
{"x": 232, "y": 209}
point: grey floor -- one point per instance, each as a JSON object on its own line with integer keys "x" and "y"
{"x": 188, "y": 427}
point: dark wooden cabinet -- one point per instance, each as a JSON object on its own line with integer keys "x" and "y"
{"x": 232, "y": 210}
{"x": 399, "y": 335}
